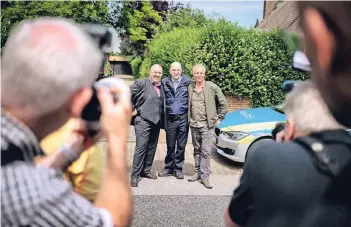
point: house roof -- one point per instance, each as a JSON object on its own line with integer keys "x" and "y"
{"x": 285, "y": 16}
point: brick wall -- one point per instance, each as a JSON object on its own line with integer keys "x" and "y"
{"x": 268, "y": 8}
{"x": 235, "y": 103}
{"x": 285, "y": 16}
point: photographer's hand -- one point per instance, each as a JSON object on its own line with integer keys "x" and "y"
{"x": 119, "y": 113}
{"x": 115, "y": 193}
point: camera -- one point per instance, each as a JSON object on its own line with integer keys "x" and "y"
{"x": 92, "y": 111}
{"x": 105, "y": 38}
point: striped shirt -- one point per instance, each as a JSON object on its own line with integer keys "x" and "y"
{"x": 38, "y": 196}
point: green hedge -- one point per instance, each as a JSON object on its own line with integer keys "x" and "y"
{"x": 176, "y": 45}
{"x": 135, "y": 64}
{"x": 246, "y": 63}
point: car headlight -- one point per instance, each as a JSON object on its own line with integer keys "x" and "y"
{"x": 235, "y": 135}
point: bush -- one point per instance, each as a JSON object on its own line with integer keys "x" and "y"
{"x": 170, "y": 47}
{"x": 245, "y": 63}
{"x": 145, "y": 68}
{"x": 135, "y": 64}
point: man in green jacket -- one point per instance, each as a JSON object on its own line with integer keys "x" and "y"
{"x": 207, "y": 108}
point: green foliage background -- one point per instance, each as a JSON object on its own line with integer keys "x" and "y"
{"x": 243, "y": 62}
{"x": 13, "y": 12}
{"x": 246, "y": 63}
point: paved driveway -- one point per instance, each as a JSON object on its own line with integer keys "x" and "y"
{"x": 219, "y": 165}
{"x": 172, "y": 202}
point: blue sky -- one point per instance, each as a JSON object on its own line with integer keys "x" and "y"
{"x": 244, "y": 13}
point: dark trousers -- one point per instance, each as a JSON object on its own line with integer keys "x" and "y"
{"x": 177, "y": 137}
{"x": 146, "y": 134}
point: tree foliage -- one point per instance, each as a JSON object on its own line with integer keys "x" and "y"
{"x": 172, "y": 46}
{"x": 139, "y": 19}
{"x": 181, "y": 18}
{"x": 246, "y": 63}
{"x": 13, "y": 12}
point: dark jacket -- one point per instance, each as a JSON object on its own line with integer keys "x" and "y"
{"x": 176, "y": 100}
{"x": 140, "y": 90}
{"x": 215, "y": 101}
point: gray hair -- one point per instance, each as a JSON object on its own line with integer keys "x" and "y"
{"x": 45, "y": 61}
{"x": 199, "y": 66}
{"x": 305, "y": 106}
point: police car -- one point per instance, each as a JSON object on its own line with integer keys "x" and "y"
{"x": 242, "y": 130}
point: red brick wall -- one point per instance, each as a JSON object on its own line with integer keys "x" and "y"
{"x": 235, "y": 103}
{"x": 268, "y": 8}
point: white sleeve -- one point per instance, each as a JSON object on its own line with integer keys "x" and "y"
{"x": 106, "y": 217}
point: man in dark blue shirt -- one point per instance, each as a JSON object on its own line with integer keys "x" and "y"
{"x": 177, "y": 127}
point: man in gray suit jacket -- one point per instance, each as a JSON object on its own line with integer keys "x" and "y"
{"x": 148, "y": 102}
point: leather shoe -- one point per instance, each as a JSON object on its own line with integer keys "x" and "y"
{"x": 134, "y": 183}
{"x": 206, "y": 183}
{"x": 149, "y": 175}
{"x": 179, "y": 175}
{"x": 165, "y": 174}
{"x": 194, "y": 178}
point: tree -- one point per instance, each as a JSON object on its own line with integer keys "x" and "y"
{"x": 13, "y": 12}
{"x": 142, "y": 25}
{"x": 181, "y": 18}
{"x": 138, "y": 21}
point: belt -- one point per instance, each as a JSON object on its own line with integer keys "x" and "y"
{"x": 177, "y": 116}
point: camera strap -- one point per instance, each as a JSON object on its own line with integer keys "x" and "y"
{"x": 319, "y": 147}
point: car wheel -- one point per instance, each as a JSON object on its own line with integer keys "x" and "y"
{"x": 256, "y": 144}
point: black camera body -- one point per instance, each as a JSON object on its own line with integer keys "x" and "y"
{"x": 105, "y": 38}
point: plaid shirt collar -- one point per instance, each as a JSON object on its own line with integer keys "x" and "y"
{"x": 15, "y": 133}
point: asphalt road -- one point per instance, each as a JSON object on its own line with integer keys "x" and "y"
{"x": 190, "y": 211}
{"x": 171, "y": 202}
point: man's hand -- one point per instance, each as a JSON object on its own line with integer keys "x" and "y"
{"x": 114, "y": 124}
{"x": 218, "y": 122}
{"x": 115, "y": 117}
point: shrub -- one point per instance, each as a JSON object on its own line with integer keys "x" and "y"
{"x": 172, "y": 46}
{"x": 135, "y": 64}
{"x": 246, "y": 63}
{"x": 145, "y": 68}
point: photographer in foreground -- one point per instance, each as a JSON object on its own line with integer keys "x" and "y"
{"x": 287, "y": 184}
{"x": 48, "y": 67}
{"x": 326, "y": 25}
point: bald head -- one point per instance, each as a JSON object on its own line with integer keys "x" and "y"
{"x": 45, "y": 61}
{"x": 156, "y": 67}
{"x": 175, "y": 70}
{"x": 44, "y": 32}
